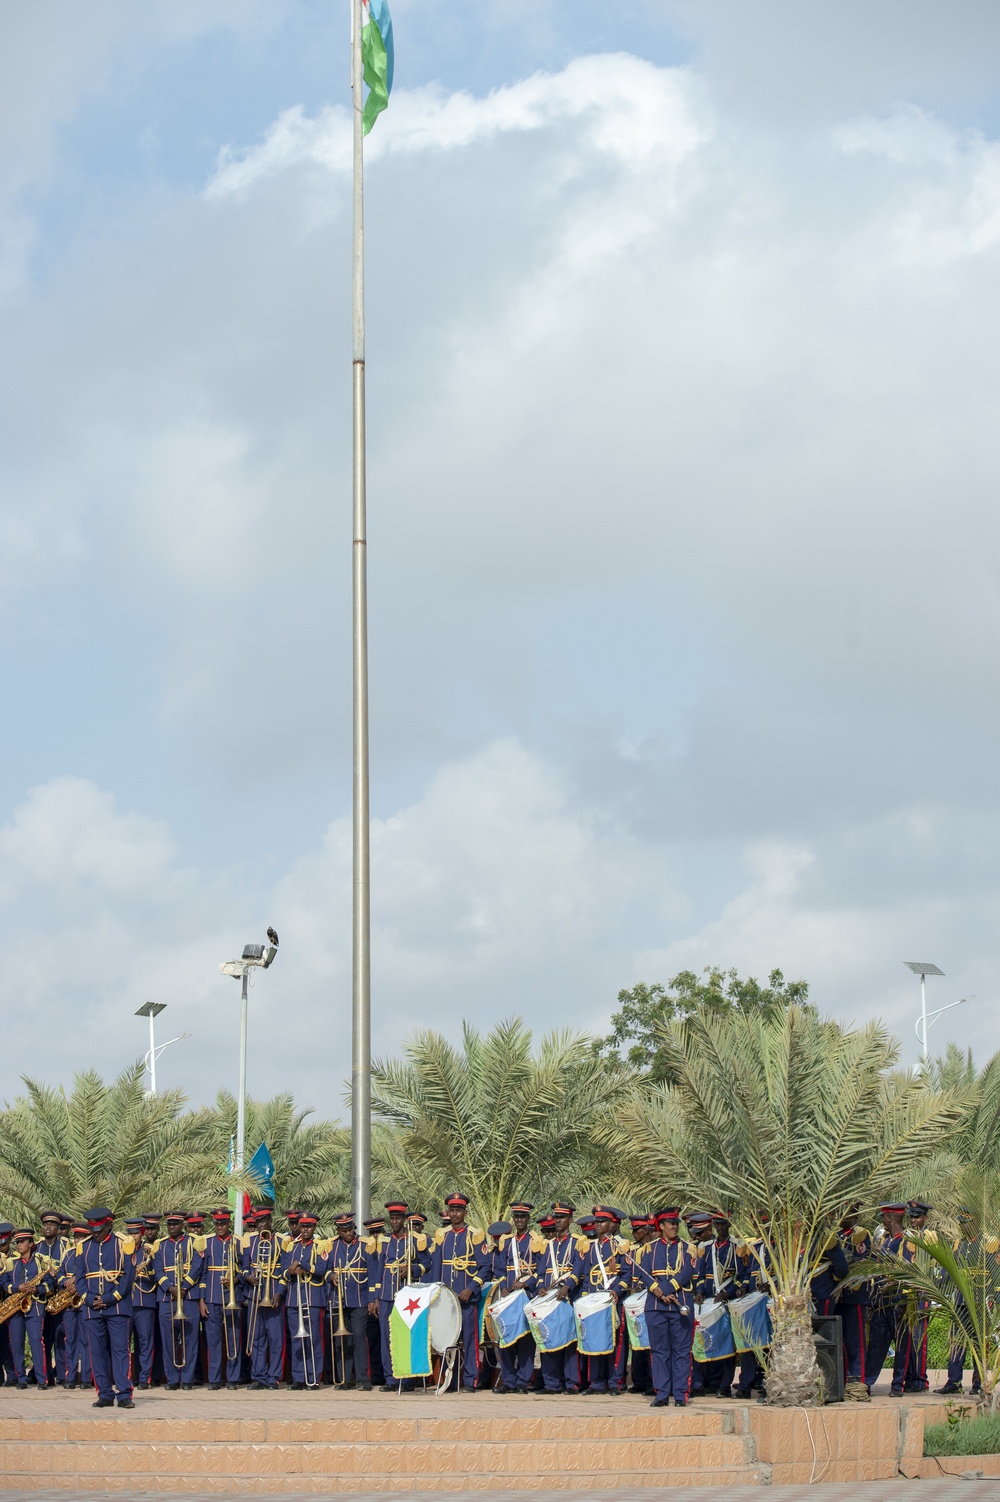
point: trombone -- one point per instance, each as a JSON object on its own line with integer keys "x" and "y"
{"x": 339, "y": 1332}
{"x": 178, "y": 1319}
{"x": 231, "y": 1308}
{"x": 262, "y": 1296}
{"x": 303, "y": 1332}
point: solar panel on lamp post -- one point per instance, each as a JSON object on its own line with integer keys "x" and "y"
{"x": 153, "y": 1009}
{"x": 923, "y": 968}
{"x": 254, "y": 955}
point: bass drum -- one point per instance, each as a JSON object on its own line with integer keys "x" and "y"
{"x": 445, "y": 1319}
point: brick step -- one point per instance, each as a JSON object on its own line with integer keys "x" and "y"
{"x": 365, "y": 1461}
{"x": 486, "y": 1481}
{"x": 661, "y": 1423}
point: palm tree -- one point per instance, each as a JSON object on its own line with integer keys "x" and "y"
{"x": 785, "y": 1121}
{"x": 493, "y": 1118}
{"x": 311, "y": 1158}
{"x": 101, "y": 1144}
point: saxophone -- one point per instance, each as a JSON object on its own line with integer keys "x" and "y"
{"x": 64, "y": 1298}
{"x": 21, "y": 1301}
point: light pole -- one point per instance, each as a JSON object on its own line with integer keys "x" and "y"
{"x": 919, "y": 967}
{"x": 153, "y": 1009}
{"x": 260, "y": 955}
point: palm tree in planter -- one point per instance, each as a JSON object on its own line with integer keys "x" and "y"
{"x": 785, "y": 1121}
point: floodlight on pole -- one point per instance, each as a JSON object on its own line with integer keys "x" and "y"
{"x": 153, "y": 1009}
{"x": 255, "y": 956}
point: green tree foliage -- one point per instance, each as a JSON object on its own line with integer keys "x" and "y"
{"x": 494, "y": 1118}
{"x": 786, "y": 1121}
{"x": 644, "y": 1010}
{"x": 101, "y": 1144}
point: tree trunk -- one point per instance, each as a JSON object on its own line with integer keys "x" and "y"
{"x": 793, "y": 1379}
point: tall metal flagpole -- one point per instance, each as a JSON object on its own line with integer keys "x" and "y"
{"x": 361, "y": 946}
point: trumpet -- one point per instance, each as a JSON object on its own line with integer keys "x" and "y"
{"x": 178, "y": 1318}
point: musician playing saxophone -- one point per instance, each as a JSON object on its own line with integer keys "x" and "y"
{"x": 28, "y": 1267}
{"x": 104, "y": 1270}
{"x": 54, "y": 1246}
{"x": 348, "y": 1274}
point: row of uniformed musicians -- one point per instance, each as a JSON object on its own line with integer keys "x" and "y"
{"x": 247, "y": 1298}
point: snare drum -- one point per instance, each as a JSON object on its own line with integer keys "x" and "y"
{"x": 446, "y": 1319}
{"x": 596, "y": 1324}
{"x": 508, "y": 1319}
{"x": 551, "y": 1322}
{"x": 635, "y": 1319}
{"x": 715, "y": 1332}
{"x": 751, "y": 1321}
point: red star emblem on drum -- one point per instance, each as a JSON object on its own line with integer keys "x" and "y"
{"x": 412, "y": 1306}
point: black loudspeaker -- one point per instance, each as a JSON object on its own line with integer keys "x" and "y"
{"x": 828, "y": 1337}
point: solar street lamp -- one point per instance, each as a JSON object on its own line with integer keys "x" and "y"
{"x": 152, "y": 1009}
{"x": 923, "y": 969}
{"x": 258, "y": 956}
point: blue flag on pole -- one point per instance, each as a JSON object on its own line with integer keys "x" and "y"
{"x": 262, "y": 1169}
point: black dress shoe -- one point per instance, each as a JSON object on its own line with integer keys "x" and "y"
{"x": 173, "y": 1387}
{"x": 364, "y": 1387}
{"x": 388, "y": 1387}
{"x": 187, "y": 1387}
{"x": 297, "y": 1387}
{"x": 232, "y": 1386}
{"x": 950, "y": 1387}
{"x": 104, "y": 1403}
{"x": 125, "y": 1403}
{"x": 660, "y": 1403}
{"x": 257, "y": 1387}
{"x": 680, "y": 1402}
{"x": 215, "y": 1387}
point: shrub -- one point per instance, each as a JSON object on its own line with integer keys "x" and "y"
{"x": 979, "y": 1436}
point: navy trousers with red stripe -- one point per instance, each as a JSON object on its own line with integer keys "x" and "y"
{"x": 852, "y": 1317}
{"x": 671, "y": 1336}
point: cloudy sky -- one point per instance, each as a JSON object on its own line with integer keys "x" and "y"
{"x": 683, "y": 338}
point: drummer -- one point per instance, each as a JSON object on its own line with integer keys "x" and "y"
{"x": 514, "y": 1266}
{"x": 596, "y": 1270}
{"x": 460, "y": 1261}
{"x": 553, "y": 1273}
{"x": 721, "y": 1276}
{"x": 643, "y": 1231}
{"x": 699, "y": 1228}
{"x": 398, "y": 1259}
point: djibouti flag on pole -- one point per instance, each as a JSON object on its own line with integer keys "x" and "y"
{"x": 377, "y": 56}
{"x": 410, "y": 1331}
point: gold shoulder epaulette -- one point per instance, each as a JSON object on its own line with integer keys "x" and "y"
{"x": 538, "y": 1242}
{"x": 625, "y": 1246}
{"x": 858, "y": 1237}
{"x": 371, "y": 1245}
{"x": 993, "y": 1245}
{"x": 325, "y": 1245}
{"x": 128, "y": 1244}
{"x": 421, "y": 1241}
{"x": 438, "y": 1237}
{"x": 199, "y": 1243}
{"x": 476, "y": 1236}
{"x": 502, "y": 1240}
{"x": 583, "y": 1244}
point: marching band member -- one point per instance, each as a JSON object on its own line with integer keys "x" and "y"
{"x": 104, "y": 1270}
{"x": 457, "y": 1262}
{"x": 261, "y": 1260}
{"x": 27, "y": 1265}
{"x": 514, "y": 1267}
{"x": 348, "y": 1274}
{"x": 177, "y": 1265}
{"x": 303, "y": 1271}
{"x": 54, "y": 1245}
{"x": 554, "y": 1272}
{"x": 670, "y": 1310}
{"x": 144, "y": 1302}
{"x": 643, "y": 1230}
{"x": 394, "y": 1260}
{"x": 596, "y": 1270}
{"x": 222, "y": 1286}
